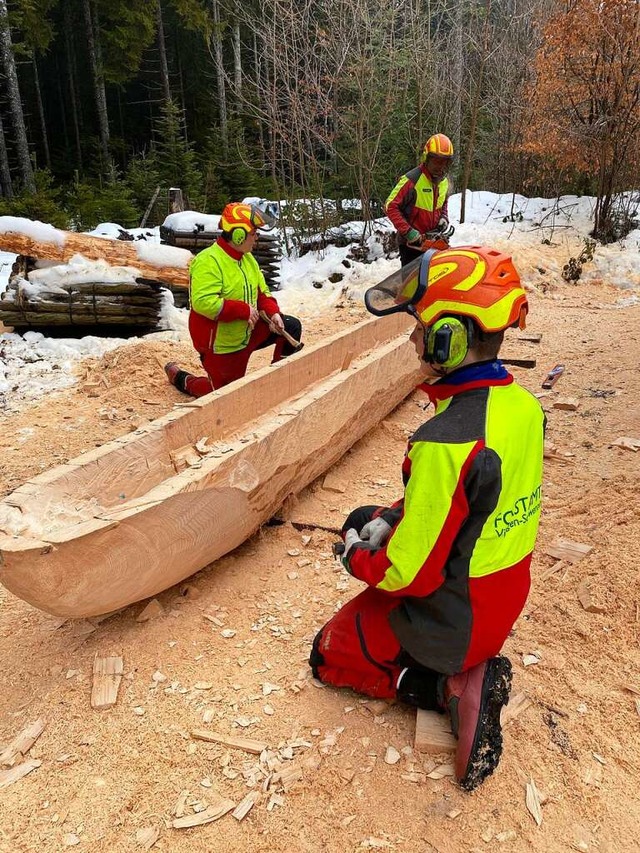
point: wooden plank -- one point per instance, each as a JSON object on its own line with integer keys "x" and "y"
{"x": 255, "y": 747}
{"x": 22, "y": 743}
{"x": 14, "y": 774}
{"x": 433, "y": 733}
{"x": 568, "y": 550}
{"x": 143, "y": 547}
{"x": 107, "y": 675}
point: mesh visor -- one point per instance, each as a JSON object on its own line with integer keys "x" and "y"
{"x": 262, "y": 218}
{"x": 402, "y": 289}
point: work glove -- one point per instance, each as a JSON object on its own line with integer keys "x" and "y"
{"x": 413, "y": 236}
{"x": 443, "y": 223}
{"x": 376, "y": 532}
{"x": 351, "y": 538}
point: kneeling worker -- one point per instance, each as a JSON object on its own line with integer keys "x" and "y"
{"x": 447, "y": 566}
{"x": 228, "y": 294}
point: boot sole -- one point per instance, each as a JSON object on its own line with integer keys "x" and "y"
{"x": 487, "y": 744}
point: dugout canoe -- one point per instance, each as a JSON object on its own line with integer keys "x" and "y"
{"x": 141, "y": 513}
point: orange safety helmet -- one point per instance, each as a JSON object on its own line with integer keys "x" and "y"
{"x": 438, "y": 145}
{"x": 468, "y": 281}
{"x": 239, "y": 220}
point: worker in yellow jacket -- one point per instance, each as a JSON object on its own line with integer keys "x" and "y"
{"x": 228, "y": 292}
{"x": 447, "y": 566}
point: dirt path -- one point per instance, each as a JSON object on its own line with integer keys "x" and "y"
{"x": 230, "y": 650}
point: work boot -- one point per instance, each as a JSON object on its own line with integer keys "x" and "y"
{"x": 176, "y": 376}
{"x": 474, "y": 699}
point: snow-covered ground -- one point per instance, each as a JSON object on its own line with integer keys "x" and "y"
{"x": 32, "y": 365}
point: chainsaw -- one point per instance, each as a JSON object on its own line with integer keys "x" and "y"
{"x": 437, "y": 239}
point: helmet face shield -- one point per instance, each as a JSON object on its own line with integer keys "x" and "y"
{"x": 262, "y": 219}
{"x": 401, "y": 290}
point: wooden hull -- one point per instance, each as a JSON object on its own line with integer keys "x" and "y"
{"x": 151, "y": 508}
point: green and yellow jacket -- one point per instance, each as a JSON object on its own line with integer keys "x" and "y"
{"x": 224, "y": 285}
{"x": 463, "y": 535}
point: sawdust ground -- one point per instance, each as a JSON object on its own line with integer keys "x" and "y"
{"x": 104, "y": 776}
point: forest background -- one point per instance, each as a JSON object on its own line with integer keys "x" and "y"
{"x": 105, "y": 104}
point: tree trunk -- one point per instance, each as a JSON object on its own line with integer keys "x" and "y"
{"x": 71, "y": 80}
{"x": 43, "y": 122}
{"x": 219, "y": 64}
{"x": 475, "y": 109}
{"x": 164, "y": 67}
{"x": 15, "y": 104}
{"x": 237, "y": 61}
{"x": 6, "y": 186}
{"x": 95, "y": 61}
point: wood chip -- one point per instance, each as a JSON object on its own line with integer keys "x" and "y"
{"x": 532, "y": 337}
{"x": 517, "y": 704}
{"x": 180, "y": 806}
{"x": 13, "y": 774}
{"x": 147, "y": 837}
{"x": 22, "y": 743}
{"x": 566, "y": 404}
{"x": 244, "y": 806}
{"x": 533, "y": 802}
{"x": 255, "y": 747}
{"x": 391, "y": 756}
{"x": 627, "y": 443}
{"x": 586, "y": 600}
{"x": 377, "y": 707}
{"x": 153, "y": 609}
{"x": 107, "y": 675}
{"x": 287, "y": 777}
{"x": 433, "y": 733}
{"x": 552, "y": 570}
{"x": 333, "y": 483}
{"x": 530, "y": 660}
{"x": 441, "y": 771}
{"x": 213, "y": 812}
{"x": 568, "y": 550}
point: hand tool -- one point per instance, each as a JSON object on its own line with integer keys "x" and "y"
{"x": 297, "y": 345}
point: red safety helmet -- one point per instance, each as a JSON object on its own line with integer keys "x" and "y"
{"x": 468, "y": 281}
{"x": 238, "y": 220}
{"x": 439, "y": 145}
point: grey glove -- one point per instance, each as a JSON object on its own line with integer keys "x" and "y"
{"x": 351, "y": 538}
{"x": 443, "y": 223}
{"x": 376, "y": 532}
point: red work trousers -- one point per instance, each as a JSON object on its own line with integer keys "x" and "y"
{"x": 357, "y": 647}
{"x": 223, "y": 368}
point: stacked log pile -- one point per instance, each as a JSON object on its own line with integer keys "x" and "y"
{"x": 133, "y": 305}
{"x": 268, "y": 251}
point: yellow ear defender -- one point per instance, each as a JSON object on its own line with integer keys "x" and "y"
{"x": 447, "y": 342}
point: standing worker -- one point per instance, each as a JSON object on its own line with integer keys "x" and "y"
{"x": 447, "y": 566}
{"x": 417, "y": 204}
{"x": 228, "y": 295}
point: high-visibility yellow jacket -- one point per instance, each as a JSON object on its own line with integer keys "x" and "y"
{"x": 417, "y": 201}
{"x": 459, "y": 554}
{"x": 224, "y": 285}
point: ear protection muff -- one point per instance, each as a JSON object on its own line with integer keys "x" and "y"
{"x": 238, "y": 236}
{"x": 447, "y": 342}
